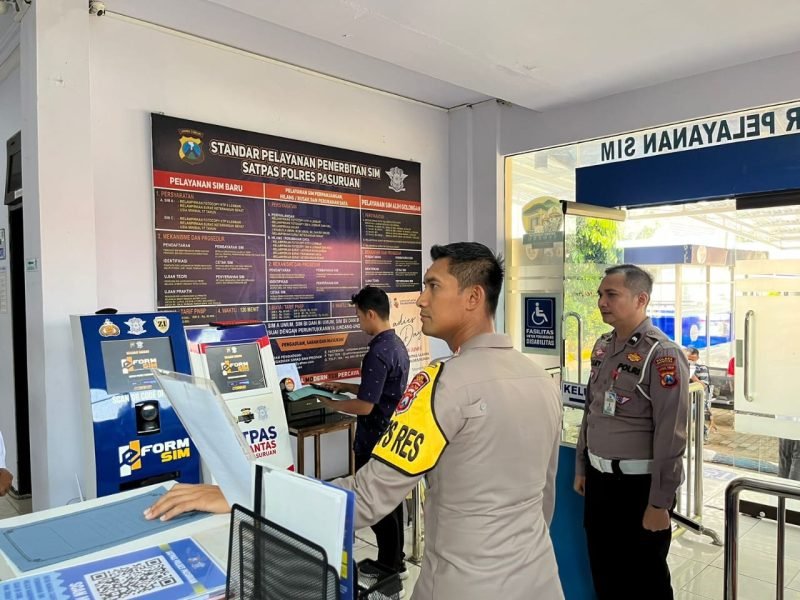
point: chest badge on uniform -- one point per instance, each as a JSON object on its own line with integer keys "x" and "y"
{"x": 634, "y": 357}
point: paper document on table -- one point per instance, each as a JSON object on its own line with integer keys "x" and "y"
{"x": 202, "y": 412}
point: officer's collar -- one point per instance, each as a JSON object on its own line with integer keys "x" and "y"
{"x": 487, "y": 340}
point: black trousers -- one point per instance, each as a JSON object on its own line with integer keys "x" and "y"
{"x": 388, "y": 531}
{"x": 627, "y": 561}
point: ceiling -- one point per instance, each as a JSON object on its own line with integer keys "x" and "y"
{"x": 533, "y": 53}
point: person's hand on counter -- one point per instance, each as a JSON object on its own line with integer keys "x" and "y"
{"x": 338, "y": 387}
{"x": 184, "y": 498}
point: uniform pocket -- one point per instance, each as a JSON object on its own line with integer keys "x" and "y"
{"x": 476, "y": 410}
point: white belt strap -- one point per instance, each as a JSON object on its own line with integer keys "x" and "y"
{"x": 626, "y": 466}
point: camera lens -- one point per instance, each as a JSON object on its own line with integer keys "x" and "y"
{"x": 149, "y": 412}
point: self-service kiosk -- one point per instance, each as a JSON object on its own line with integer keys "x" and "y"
{"x": 133, "y": 437}
{"x": 238, "y": 359}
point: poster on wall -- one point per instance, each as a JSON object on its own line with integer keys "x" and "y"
{"x": 258, "y": 227}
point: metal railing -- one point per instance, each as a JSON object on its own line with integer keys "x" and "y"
{"x": 773, "y": 488}
{"x": 693, "y": 498}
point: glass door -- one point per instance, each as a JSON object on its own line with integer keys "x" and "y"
{"x": 591, "y": 245}
{"x": 767, "y": 352}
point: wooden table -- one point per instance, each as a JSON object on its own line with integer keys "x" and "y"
{"x": 317, "y": 427}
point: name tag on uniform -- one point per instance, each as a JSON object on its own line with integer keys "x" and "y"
{"x": 610, "y": 403}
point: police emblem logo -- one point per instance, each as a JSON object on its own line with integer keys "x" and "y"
{"x": 634, "y": 357}
{"x": 162, "y": 324}
{"x": 135, "y": 326}
{"x": 109, "y": 329}
{"x": 668, "y": 377}
{"x": 191, "y": 146}
{"x": 396, "y": 179}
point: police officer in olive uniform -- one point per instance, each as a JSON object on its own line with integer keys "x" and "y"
{"x": 631, "y": 444}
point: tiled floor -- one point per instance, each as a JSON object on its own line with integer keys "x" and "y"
{"x": 697, "y": 566}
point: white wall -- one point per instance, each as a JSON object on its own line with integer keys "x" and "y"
{"x": 10, "y": 122}
{"x": 131, "y": 77}
{"x": 136, "y": 69}
{"x": 759, "y": 83}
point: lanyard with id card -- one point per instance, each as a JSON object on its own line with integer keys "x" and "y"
{"x": 610, "y": 397}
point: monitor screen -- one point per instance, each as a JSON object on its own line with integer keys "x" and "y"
{"x": 236, "y": 368}
{"x": 127, "y": 363}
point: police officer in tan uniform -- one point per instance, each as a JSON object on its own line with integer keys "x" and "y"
{"x": 631, "y": 444}
{"x": 484, "y": 426}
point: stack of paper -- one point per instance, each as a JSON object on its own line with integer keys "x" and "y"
{"x": 310, "y": 509}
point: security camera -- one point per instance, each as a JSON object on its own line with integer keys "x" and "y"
{"x": 97, "y": 8}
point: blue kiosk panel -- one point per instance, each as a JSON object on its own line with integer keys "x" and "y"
{"x": 138, "y": 439}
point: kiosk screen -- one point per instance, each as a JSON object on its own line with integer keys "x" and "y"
{"x": 236, "y": 368}
{"x": 127, "y": 363}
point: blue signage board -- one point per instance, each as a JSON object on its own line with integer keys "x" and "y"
{"x": 138, "y": 438}
{"x": 541, "y": 324}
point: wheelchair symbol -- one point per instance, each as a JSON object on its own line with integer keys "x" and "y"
{"x": 538, "y": 316}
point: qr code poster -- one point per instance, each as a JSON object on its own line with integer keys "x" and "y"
{"x": 176, "y": 570}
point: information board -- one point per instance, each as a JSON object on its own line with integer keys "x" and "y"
{"x": 254, "y": 226}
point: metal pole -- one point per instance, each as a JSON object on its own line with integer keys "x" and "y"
{"x": 731, "y": 537}
{"x": 689, "y": 456}
{"x": 779, "y": 577}
{"x": 699, "y": 423}
{"x": 416, "y": 524}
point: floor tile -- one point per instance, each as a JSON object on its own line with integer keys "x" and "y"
{"x": 684, "y": 595}
{"x": 683, "y": 570}
{"x": 709, "y": 584}
{"x": 760, "y": 564}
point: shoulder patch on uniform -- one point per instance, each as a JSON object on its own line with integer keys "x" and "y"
{"x": 414, "y": 441}
{"x": 668, "y": 377}
{"x": 663, "y": 361}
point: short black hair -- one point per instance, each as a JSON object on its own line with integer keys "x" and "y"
{"x": 692, "y": 351}
{"x": 472, "y": 263}
{"x": 372, "y": 298}
{"x": 637, "y": 279}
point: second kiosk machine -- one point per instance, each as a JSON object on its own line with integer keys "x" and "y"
{"x": 238, "y": 359}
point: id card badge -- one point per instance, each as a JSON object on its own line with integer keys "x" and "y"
{"x": 610, "y": 403}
